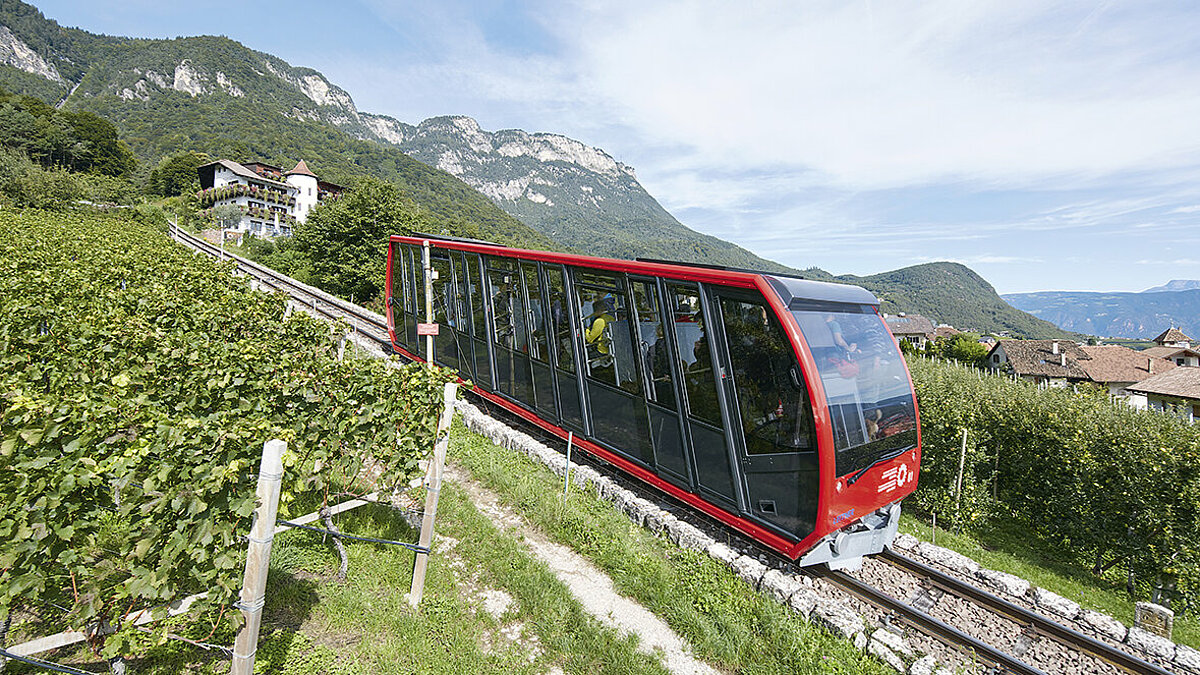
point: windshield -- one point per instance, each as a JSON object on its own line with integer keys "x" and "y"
{"x": 866, "y": 385}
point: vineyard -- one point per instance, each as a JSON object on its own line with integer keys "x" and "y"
{"x": 137, "y": 386}
{"x": 1114, "y": 488}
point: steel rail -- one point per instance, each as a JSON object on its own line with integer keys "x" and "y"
{"x": 319, "y": 300}
{"x": 1040, "y": 623}
{"x": 971, "y": 646}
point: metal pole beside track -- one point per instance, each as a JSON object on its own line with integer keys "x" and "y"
{"x": 567, "y": 473}
{"x": 428, "y": 302}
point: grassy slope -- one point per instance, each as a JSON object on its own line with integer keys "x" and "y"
{"x": 726, "y": 623}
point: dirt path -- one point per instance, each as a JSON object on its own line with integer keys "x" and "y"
{"x": 588, "y": 584}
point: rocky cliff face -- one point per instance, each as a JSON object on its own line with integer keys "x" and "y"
{"x": 507, "y": 166}
{"x": 14, "y": 52}
{"x": 573, "y": 193}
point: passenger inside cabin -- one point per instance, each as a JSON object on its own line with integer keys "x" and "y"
{"x": 502, "y": 308}
{"x": 594, "y": 335}
{"x": 839, "y": 339}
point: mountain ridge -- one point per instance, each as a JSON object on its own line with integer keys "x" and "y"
{"x": 1131, "y": 315}
{"x": 1175, "y": 285}
{"x": 538, "y": 190}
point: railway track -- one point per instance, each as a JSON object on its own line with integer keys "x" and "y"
{"x": 1007, "y": 637}
{"x": 1081, "y": 653}
{"x": 1033, "y": 620}
{"x": 363, "y": 322}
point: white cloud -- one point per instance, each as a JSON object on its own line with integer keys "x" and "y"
{"x": 849, "y": 134}
{"x": 991, "y": 260}
{"x": 900, "y": 93}
{"x": 1188, "y": 262}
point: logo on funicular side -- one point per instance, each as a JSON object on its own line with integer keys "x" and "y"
{"x": 895, "y": 477}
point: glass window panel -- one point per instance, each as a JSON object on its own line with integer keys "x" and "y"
{"x": 443, "y": 311}
{"x": 775, "y": 410}
{"x": 462, "y": 303}
{"x": 405, "y": 276}
{"x": 652, "y": 345}
{"x": 537, "y": 314}
{"x": 597, "y": 308}
{"x": 506, "y": 311}
{"x": 691, "y": 337}
{"x": 497, "y": 262}
{"x": 866, "y": 384}
{"x": 564, "y": 346}
{"x": 419, "y": 285}
{"x": 476, "y": 292}
{"x": 604, "y": 281}
{"x": 607, "y": 331}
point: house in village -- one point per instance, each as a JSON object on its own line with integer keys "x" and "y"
{"x": 912, "y": 328}
{"x": 1176, "y": 347}
{"x": 944, "y": 331}
{"x": 1118, "y": 367}
{"x": 1050, "y": 363}
{"x": 1176, "y": 392}
{"x": 1061, "y": 363}
{"x": 271, "y": 200}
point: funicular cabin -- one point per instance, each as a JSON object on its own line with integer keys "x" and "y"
{"x": 779, "y": 406}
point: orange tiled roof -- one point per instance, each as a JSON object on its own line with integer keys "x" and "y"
{"x": 302, "y": 169}
{"x": 1114, "y": 363}
{"x": 1172, "y": 335}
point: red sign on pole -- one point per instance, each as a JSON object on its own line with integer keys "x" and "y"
{"x": 427, "y": 329}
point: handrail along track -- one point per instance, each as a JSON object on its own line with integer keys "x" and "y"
{"x": 368, "y": 323}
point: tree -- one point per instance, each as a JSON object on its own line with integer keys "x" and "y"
{"x": 962, "y": 347}
{"x": 176, "y": 174}
{"x": 346, "y": 239}
{"x": 97, "y": 148}
{"x": 226, "y": 216}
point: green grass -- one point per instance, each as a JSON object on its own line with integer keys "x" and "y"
{"x": 726, "y": 623}
{"x": 313, "y": 625}
{"x": 1010, "y": 548}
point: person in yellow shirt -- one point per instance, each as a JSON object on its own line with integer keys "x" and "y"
{"x": 593, "y": 334}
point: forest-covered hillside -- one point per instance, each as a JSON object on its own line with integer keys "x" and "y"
{"x": 953, "y": 293}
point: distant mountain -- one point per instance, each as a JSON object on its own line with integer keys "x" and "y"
{"x": 1175, "y": 285}
{"x": 1136, "y": 315}
{"x": 573, "y": 193}
{"x": 953, "y": 293}
{"x": 536, "y": 190}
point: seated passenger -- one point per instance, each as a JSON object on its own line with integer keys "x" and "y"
{"x": 593, "y": 334}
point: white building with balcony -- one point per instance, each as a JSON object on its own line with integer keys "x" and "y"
{"x": 271, "y": 201}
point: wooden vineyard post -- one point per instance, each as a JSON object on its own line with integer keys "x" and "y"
{"x": 962, "y": 461}
{"x": 258, "y": 557}
{"x": 433, "y": 485}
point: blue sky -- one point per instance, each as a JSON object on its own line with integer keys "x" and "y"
{"x": 1045, "y": 145}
